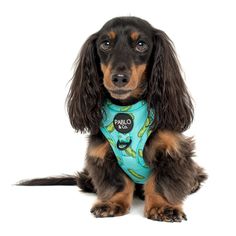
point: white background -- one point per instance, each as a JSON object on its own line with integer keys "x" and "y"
{"x": 39, "y": 41}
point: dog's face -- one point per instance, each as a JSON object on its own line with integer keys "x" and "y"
{"x": 128, "y": 60}
{"x": 124, "y": 52}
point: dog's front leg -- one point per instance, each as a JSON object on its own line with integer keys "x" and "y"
{"x": 114, "y": 189}
{"x": 174, "y": 175}
{"x": 157, "y": 207}
{"x": 116, "y": 205}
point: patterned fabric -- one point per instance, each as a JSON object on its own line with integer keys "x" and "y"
{"x": 127, "y": 129}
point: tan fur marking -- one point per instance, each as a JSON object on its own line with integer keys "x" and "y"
{"x": 136, "y": 76}
{"x": 137, "y": 92}
{"x": 154, "y": 199}
{"x": 112, "y": 35}
{"x": 121, "y": 199}
{"x": 151, "y": 197}
{"x": 167, "y": 141}
{"x": 99, "y": 151}
{"x": 137, "y": 73}
{"x": 126, "y": 196}
{"x": 106, "y": 69}
{"x": 134, "y": 35}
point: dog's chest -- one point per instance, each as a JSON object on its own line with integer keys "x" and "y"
{"x": 127, "y": 129}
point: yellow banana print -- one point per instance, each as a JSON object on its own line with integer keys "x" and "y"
{"x": 110, "y": 128}
{"x": 140, "y": 152}
{"x": 132, "y": 172}
{"x": 149, "y": 132}
{"x": 132, "y": 115}
{"x": 144, "y": 128}
{"x": 129, "y": 151}
{"x": 126, "y": 108}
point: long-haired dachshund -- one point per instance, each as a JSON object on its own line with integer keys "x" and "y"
{"x": 128, "y": 93}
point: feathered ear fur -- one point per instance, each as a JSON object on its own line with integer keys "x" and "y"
{"x": 84, "y": 101}
{"x": 167, "y": 92}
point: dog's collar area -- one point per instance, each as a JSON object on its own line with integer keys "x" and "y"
{"x": 120, "y": 108}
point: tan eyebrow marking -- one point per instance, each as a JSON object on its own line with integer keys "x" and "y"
{"x": 112, "y": 34}
{"x": 134, "y": 35}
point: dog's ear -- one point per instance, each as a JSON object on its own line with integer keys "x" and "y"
{"x": 167, "y": 92}
{"x": 84, "y": 100}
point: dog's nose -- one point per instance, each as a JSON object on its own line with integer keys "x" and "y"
{"x": 120, "y": 80}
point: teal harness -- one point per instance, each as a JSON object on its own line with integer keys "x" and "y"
{"x": 127, "y": 129}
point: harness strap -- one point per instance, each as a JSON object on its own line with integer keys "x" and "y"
{"x": 127, "y": 129}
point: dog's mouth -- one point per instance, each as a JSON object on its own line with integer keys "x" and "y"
{"x": 120, "y": 93}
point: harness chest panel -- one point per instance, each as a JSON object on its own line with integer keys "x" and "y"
{"x": 127, "y": 129}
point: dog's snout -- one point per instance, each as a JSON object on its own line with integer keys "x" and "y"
{"x": 121, "y": 67}
{"x": 120, "y": 80}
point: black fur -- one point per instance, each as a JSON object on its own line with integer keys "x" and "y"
{"x": 167, "y": 93}
{"x": 83, "y": 111}
{"x": 84, "y": 182}
{"x": 146, "y": 59}
{"x": 107, "y": 176}
{"x": 60, "y": 180}
{"x": 165, "y": 90}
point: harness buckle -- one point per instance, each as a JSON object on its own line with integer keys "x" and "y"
{"x": 123, "y": 145}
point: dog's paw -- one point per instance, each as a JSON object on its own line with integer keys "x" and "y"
{"x": 108, "y": 209}
{"x": 167, "y": 214}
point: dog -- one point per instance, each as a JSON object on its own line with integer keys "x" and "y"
{"x": 127, "y": 91}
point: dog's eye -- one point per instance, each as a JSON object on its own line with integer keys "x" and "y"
{"x": 141, "y": 46}
{"x": 105, "y": 46}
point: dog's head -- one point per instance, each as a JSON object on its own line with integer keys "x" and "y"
{"x": 126, "y": 61}
{"x": 124, "y": 46}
